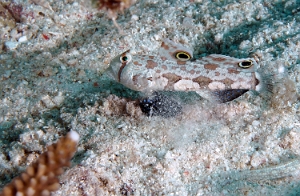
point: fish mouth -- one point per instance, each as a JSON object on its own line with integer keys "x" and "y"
{"x": 262, "y": 82}
{"x": 256, "y": 82}
{"x": 258, "y": 85}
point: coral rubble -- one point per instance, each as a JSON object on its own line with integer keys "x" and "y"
{"x": 40, "y": 178}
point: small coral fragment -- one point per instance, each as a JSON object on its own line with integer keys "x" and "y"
{"x": 114, "y": 105}
{"x": 10, "y": 13}
{"x": 285, "y": 94}
{"x": 40, "y": 178}
{"x": 6, "y": 19}
{"x": 43, "y": 3}
{"x": 113, "y": 7}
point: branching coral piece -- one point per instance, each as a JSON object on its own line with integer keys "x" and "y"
{"x": 40, "y": 178}
{"x": 113, "y": 7}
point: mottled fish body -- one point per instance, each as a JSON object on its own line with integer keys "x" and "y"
{"x": 217, "y": 77}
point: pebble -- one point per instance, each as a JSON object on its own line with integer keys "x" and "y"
{"x": 22, "y": 39}
{"x": 10, "y": 45}
{"x": 134, "y": 17}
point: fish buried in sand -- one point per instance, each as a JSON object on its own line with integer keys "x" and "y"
{"x": 215, "y": 77}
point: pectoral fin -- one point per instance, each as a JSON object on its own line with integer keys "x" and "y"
{"x": 223, "y": 96}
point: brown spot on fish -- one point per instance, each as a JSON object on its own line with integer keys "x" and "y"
{"x": 165, "y": 46}
{"x": 158, "y": 71}
{"x": 151, "y": 57}
{"x": 135, "y": 79}
{"x": 202, "y": 81}
{"x": 217, "y": 73}
{"x": 233, "y": 71}
{"x": 181, "y": 62}
{"x": 192, "y": 71}
{"x": 164, "y": 67}
{"x": 183, "y": 68}
{"x": 151, "y": 64}
{"x": 197, "y": 72}
{"x": 210, "y": 66}
{"x": 219, "y": 59}
{"x": 150, "y": 78}
{"x": 228, "y": 63}
{"x": 227, "y": 82}
{"x": 172, "y": 79}
{"x": 163, "y": 58}
{"x": 137, "y": 63}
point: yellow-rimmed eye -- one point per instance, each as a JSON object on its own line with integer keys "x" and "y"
{"x": 125, "y": 58}
{"x": 183, "y": 56}
{"x": 245, "y": 64}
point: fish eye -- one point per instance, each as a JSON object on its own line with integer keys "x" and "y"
{"x": 245, "y": 64}
{"x": 125, "y": 58}
{"x": 183, "y": 56}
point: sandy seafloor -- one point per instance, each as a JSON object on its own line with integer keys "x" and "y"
{"x": 52, "y": 81}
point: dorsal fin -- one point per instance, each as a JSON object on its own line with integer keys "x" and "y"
{"x": 169, "y": 49}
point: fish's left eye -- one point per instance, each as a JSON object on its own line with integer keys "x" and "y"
{"x": 183, "y": 56}
{"x": 245, "y": 64}
{"x": 125, "y": 58}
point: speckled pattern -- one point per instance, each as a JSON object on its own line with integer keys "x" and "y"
{"x": 168, "y": 72}
{"x": 51, "y": 80}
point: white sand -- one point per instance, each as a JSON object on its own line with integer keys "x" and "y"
{"x": 51, "y": 82}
